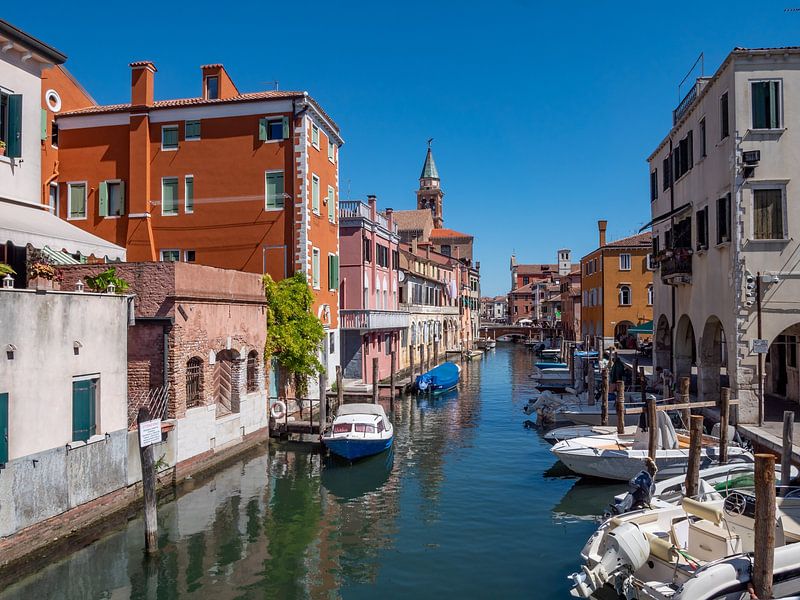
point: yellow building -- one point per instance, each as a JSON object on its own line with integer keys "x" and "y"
{"x": 617, "y": 287}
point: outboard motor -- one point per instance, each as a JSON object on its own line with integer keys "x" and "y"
{"x": 640, "y": 491}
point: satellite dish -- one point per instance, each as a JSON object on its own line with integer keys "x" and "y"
{"x": 401, "y": 277}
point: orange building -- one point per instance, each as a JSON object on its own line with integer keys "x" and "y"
{"x": 617, "y": 287}
{"x": 245, "y": 181}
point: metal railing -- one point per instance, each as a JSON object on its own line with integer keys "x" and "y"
{"x": 373, "y": 319}
{"x": 355, "y": 209}
{"x": 687, "y": 101}
{"x": 676, "y": 269}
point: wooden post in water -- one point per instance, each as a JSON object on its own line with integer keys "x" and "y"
{"x": 695, "y": 446}
{"x": 149, "y": 489}
{"x": 411, "y": 350}
{"x": 604, "y": 398}
{"x": 590, "y": 383}
{"x": 635, "y": 375}
{"x": 684, "y": 399}
{"x": 643, "y": 383}
{"x": 435, "y": 352}
{"x": 620, "y": 407}
{"x": 724, "y": 420}
{"x": 339, "y": 387}
{"x": 375, "y": 380}
{"x": 764, "y": 530}
{"x": 392, "y": 368}
{"x": 786, "y": 451}
{"x": 323, "y": 400}
{"x": 422, "y": 368}
{"x": 652, "y": 428}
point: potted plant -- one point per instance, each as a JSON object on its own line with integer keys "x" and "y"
{"x": 101, "y": 282}
{"x": 6, "y": 270}
{"x": 2, "y": 148}
{"x": 41, "y": 275}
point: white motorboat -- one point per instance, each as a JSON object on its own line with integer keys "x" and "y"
{"x": 620, "y": 458}
{"x": 592, "y": 414}
{"x": 572, "y": 407}
{"x": 570, "y": 432}
{"x": 359, "y": 430}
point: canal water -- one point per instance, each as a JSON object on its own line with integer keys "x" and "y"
{"x": 469, "y": 504}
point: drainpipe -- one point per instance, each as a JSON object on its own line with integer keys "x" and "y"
{"x": 48, "y": 181}
{"x": 672, "y": 238}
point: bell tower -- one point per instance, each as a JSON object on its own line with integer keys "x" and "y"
{"x": 430, "y": 194}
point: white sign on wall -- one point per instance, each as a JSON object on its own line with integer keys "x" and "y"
{"x": 760, "y": 346}
{"x": 149, "y": 433}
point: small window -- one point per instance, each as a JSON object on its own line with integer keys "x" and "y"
{"x": 315, "y": 268}
{"x": 624, "y": 295}
{"x": 331, "y": 343}
{"x": 169, "y": 137}
{"x": 333, "y": 272}
{"x": 653, "y": 185}
{"x": 624, "y": 262}
{"x": 194, "y": 382}
{"x": 703, "y": 137}
{"x": 367, "y": 245}
{"x": 315, "y": 136}
{"x": 54, "y": 134}
{"x": 252, "y": 371}
{"x": 273, "y": 128}
{"x": 724, "y": 124}
{"x": 724, "y": 219}
{"x": 77, "y": 200}
{"x": 649, "y": 262}
{"x": 170, "y": 255}
{"x": 331, "y": 201}
{"x": 52, "y": 198}
{"x": 212, "y": 87}
{"x": 768, "y": 214}
{"x": 766, "y": 104}
{"x": 169, "y": 196}
{"x": 315, "y": 194}
{"x": 274, "y": 190}
{"x": 189, "y": 256}
{"x": 649, "y": 295}
{"x": 116, "y": 198}
{"x": 188, "y": 194}
{"x": 666, "y": 173}
{"x": 331, "y": 151}
{"x": 192, "y": 131}
{"x": 702, "y": 229}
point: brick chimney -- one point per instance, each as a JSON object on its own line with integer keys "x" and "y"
{"x": 372, "y": 200}
{"x": 390, "y": 218}
{"x": 220, "y": 88}
{"x": 601, "y": 227}
{"x": 142, "y": 82}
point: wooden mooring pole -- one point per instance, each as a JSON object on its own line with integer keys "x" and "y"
{"x": 620, "y": 407}
{"x": 411, "y": 362}
{"x": 392, "y": 368}
{"x": 652, "y": 428}
{"x": 604, "y": 398}
{"x": 149, "y": 489}
{"x": 339, "y": 387}
{"x": 375, "y": 380}
{"x": 786, "y": 450}
{"x": 764, "y": 530}
{"x": 724, "y": 420}
{"x": 695, "y": 446}
{"x": 684, "y": 398}
{"x": 323, "y": 400}
{"x": 590, "y": 383}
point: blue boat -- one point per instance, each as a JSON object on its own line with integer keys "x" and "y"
{"x": 550, "y": 365}
{"x": 359, "y": 430}
{"x": 439, "y": 379}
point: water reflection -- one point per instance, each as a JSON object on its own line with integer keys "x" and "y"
{"x": 586, "y": 500}
{"x": 348, "y": 481}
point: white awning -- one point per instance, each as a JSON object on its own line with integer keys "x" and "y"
{"x": 22, "y": 225}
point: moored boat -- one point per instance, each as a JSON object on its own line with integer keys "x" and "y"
{"x": 439, "y": 379}
{"x": 359, "y": 430}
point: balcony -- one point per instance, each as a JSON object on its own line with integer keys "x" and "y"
{"x": 371, "y": 320}
{"x": 354, "y": 209}
{"x": 688, "y": 100}
{"x": 677, "y": 269}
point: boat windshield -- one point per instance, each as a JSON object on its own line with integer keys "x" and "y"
{"x": 380, "y": 426}
{"x": 343, "y": 427}
{"x": 365, "y": 428}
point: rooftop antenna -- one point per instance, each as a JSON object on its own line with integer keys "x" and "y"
{"x": 430, "y": 141}
{"x": 273, "y": 83}
{"x": 700, "y": 59}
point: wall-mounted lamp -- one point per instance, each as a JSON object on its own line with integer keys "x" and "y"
{"x": 10, "y": 349}
{"x": 76, "y": 347}
{"x": 111, "y": 288}
{"x": 8, "y": 282}
{"x": 79, "y": 286}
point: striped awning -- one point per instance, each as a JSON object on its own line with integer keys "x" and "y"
{"x": 59, "y": 258}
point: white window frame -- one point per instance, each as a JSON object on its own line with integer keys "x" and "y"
{"x": 186, "y": 255}
{"x": 266, "y": 198}
{"x": 766, "y": 185}
{"x": 177, "y": 135}
{"x": 54, "y": 208}
{"x": 331, "y": 151}
{"x": 331, "y": 202}
{"x": 781, "y": 123}
{"x": 177, "y": 204}
{"x": 315, "y": 194}
{"x": 117, "y": 181}
{"x": 186, "y": 209}
{"x": 85, "y": 185}
{"x": 330, "y": 254}
{"x": 163, "y": 250}
{"x": 315, "y": 136}
{"x": 623, "y": 268}
{"x": 186, "y": 138}
{"x": 650, "y": 295}
{"x": 315, "y": 272}
{"x": 648, "y": 262}
{"x": 630, "y": 295}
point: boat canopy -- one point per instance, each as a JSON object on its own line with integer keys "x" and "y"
{"x": 361, "y": 408}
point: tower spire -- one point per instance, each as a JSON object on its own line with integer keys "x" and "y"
{"x": 430, "y": 194}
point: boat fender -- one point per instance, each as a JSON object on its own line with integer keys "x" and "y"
{"x": 278, "y": 409}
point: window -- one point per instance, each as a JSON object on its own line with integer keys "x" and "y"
{"x": 649, "y": 295}
{"x": 624, "y": 295}
{"x": 315, "y": 194}
{"x": 653, "y": 185}
{"x": 703, "y": 138}
{"x": 194, "y": 382}
{"x": 724, "y": 219}
{"x": 333, "y": 272}
{"x": 274, "y": 190}
{"x": 724, "y": 126}
{"x": 766, "y": 104}
{"x": 702, "y": 228}
{"x": 169, "y": 137}
{"x": 169, "y": 196}
{"x": 331, "y": 151}
{"x": 192, "y": 131}
{"x": 666, "y": 173}
{"x": 382, "y": 255}
{"x": 682, "y": 157}
{"x": 170, "y": 255}
{"x": 624, "y": 262}
{"x": 331, "y": 204}
{"x": 54, "y": 134}
{"x": 648, "y": 260}
{"x": 11, "y": 123}
{"x": 445, "y": 249}
{"x": 367, "y": 244}
{"x": 273, "y": 128}
{"x": 315, "y": 136}
{"x": 111, "y": 199}
{"x": 252, "y": 371}
{"x": 396, "y": 260}
{"x": 188, "y": 194}
{"x": 525, "y": 280}
{"x": 791, "y": 351}
{"x": 189, "y": 256}
{"x": 212, "y": 87}
{"x": 315, "y": 268}
{"x": 76, "y": 193}
{"x": 768, "y": 214}
{"x": 331, "y": 343}
{"x": 84, "y": 409}
{"x": 52, "y": 198}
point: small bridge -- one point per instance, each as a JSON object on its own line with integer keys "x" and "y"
{"x": 518, "y": 332}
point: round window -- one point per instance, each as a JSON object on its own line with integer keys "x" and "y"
{"x": 53, "y": 100}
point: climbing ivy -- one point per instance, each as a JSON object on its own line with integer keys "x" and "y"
{"x": 294, "y": 334}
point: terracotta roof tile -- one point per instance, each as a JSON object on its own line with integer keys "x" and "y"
{"x": 412, "y": 219}
{"x": 640, "y": 239}
{"x": 448, "y": 233}
{"x": 536, "y": 269}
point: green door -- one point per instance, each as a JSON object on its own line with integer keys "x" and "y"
{"x": 3, "y": 428}
{"x": 83, "y": 409}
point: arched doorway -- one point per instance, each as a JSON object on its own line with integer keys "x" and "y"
{"x": 663, "y": 345}
{"x": 621, "y": 333}
{"x": 227, "y": 375}
{"x": 781, "y": 372}
{"x": 685, "y": 348}
{"x": 713, "y": 358}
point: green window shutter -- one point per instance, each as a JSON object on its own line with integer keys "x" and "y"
{"x": 335, "y": 272}
{"x": 262, "y": 129}
{"x": 330, "y": 271}
{"x": 122, "y": 197}
{"x": 14, "y": 141}
{"x": 331, "y": 205}
{"x": 3, "y": 428}
{"x": 44, "y": 124}
{"x": 759, "y": 105}
{"x": 286, "y": 128}
{"x": 102, "y": 199}
{"x": 773, "y": 106}
{"x": 83, "y": 422}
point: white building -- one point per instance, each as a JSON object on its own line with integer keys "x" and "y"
{"x": 725, "y": 199}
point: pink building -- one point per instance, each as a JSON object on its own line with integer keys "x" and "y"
{"x": 370, "y": 315}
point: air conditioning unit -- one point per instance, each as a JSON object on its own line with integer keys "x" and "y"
{"x": 751, "y": 157}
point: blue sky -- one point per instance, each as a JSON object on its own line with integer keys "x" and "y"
{"x": 542, "y": 114}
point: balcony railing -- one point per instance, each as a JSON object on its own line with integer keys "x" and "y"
{"x": 373, "y": 319}
{"x": 687, "y": 101}
{"x": 355, "y": 209}
{"x": 676, "y": 269}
